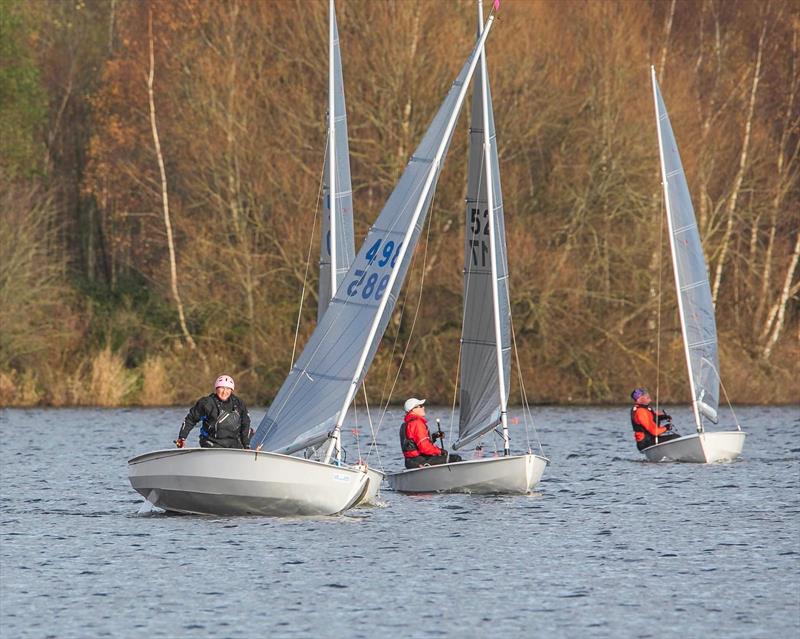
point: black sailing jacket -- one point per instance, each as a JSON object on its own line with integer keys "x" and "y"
{"x": 224, "y": 424}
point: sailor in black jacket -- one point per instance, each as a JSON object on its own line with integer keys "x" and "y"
{"x": 223, "y": 417}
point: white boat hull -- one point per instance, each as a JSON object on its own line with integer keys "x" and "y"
{"x": 700, "y": 448}
{"x": 224, "y": 481}
{"x": 372, "y": 494}
{"x": 516, "y": 474}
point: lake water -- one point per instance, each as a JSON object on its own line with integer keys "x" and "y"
{"x": 609, "y": 546}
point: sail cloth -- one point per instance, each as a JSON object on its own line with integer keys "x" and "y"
{"x": 307, "y": 406}
{"x": 691, "y": 274}
{"x": 480, "y": 388}
{"x": 345, "y": 243}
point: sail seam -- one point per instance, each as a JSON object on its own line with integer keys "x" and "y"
{"x": 351, "y": 302}
{"x": 478, "y": 342}
{"x": 689, "y": 287}
{"x": 705, "y": 342}
{"x": 314, "y": 375}
{"x": 683, "y": 229}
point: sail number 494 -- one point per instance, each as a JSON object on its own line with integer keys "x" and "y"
{"x": 373, "y": 284}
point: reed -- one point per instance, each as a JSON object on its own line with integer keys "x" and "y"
{"x": 157, "y": 390}
{"x": 19, "y": 389}
{"x": 110, "y": 382}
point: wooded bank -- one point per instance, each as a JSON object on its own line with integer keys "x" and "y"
{"x": 161, "y": 167}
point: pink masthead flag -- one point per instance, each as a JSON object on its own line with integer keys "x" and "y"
{"x": 496, "y": 5}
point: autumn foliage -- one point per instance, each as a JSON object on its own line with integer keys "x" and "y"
{"x": 239, "y": 99}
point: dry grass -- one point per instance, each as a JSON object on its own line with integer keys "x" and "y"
{"x": 156, "y": 387}
{"x": 19, "y": 389}
{"x": 111, "y": 383}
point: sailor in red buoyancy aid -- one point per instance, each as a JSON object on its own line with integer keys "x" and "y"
{"x": 647, "y": 422}
{"x": 415, "y": 438}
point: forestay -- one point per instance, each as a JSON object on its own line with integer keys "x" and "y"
{"x": 480, "y": 401}
{"x": 343, "y": 193}
{"x": 691, "y": 274}
{"x": 307, "y": 406}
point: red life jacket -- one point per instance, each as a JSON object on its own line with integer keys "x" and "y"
{"x": 422, "y": 445}
{"x": 642, "y": 436}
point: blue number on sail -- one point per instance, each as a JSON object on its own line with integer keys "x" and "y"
{"x": 387, "y": 253}
{"x": 352, "y": 288}
{"x": 373, "y": 283}
{"x": 372, "y": 252}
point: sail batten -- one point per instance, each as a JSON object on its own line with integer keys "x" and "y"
{"x": 695, "y": 304}
{"x": 308, "y": 406}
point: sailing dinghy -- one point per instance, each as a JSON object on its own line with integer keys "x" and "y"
{"x": 696, "y": 310}
{"x": 486, "y": 328}
{"x": 311, "y": 405}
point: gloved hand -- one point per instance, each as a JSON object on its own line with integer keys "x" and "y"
{"x": 180, "y": 442}
{"x": 436, "y": 435}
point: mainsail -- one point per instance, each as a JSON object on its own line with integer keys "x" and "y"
{"x": 342, "y": 244}
{"x": 315, "y": 395}
{"x": 480, "y": 395}
{"x": 695, "y": 304}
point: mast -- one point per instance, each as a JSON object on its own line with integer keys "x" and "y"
{"x": 492, "y": 245}
{"x": 331, "y": 149}
{"x": 336, "y": 434}
{"x": 676, "y": 274}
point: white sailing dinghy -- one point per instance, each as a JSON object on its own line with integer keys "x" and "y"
{"x": 486, "y": 328}
{"x": 696, "y": 310}
{"x": 311, "y": 405}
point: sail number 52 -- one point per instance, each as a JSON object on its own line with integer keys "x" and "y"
{"x": 479, "y": 246}
{"x": 373, "y": 284}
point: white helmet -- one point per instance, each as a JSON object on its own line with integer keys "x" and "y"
{"x": 412, "y": 403}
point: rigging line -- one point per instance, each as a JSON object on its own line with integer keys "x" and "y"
{"x": 525, "y": 408}
{"x": 374, "y": 443}
{"x": 727, "y": 399}
{"x": 527, "y": 415}
{"x": 455, "y": 394}
{"x": 308, "y": 260}
{"x": 356, "y": 429}
{"x": 416, "y": 310}
{"x": 658, "y": 305}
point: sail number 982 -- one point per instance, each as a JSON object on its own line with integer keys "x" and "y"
{"x": 380, "y": 254}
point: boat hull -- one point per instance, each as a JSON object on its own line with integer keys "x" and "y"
{"x": 219, "y": 481}
{"x": 516, "y": 474}
{"x": 371, "y": 496}
{"x": 699, "y": 448}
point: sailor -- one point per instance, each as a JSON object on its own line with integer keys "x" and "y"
{"x": 223, "y": 417}
{"x": 415, "y": 438}
{"x": 647, "y": 423}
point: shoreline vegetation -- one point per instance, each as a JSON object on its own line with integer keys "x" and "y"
{"x": 160, "y": 167}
